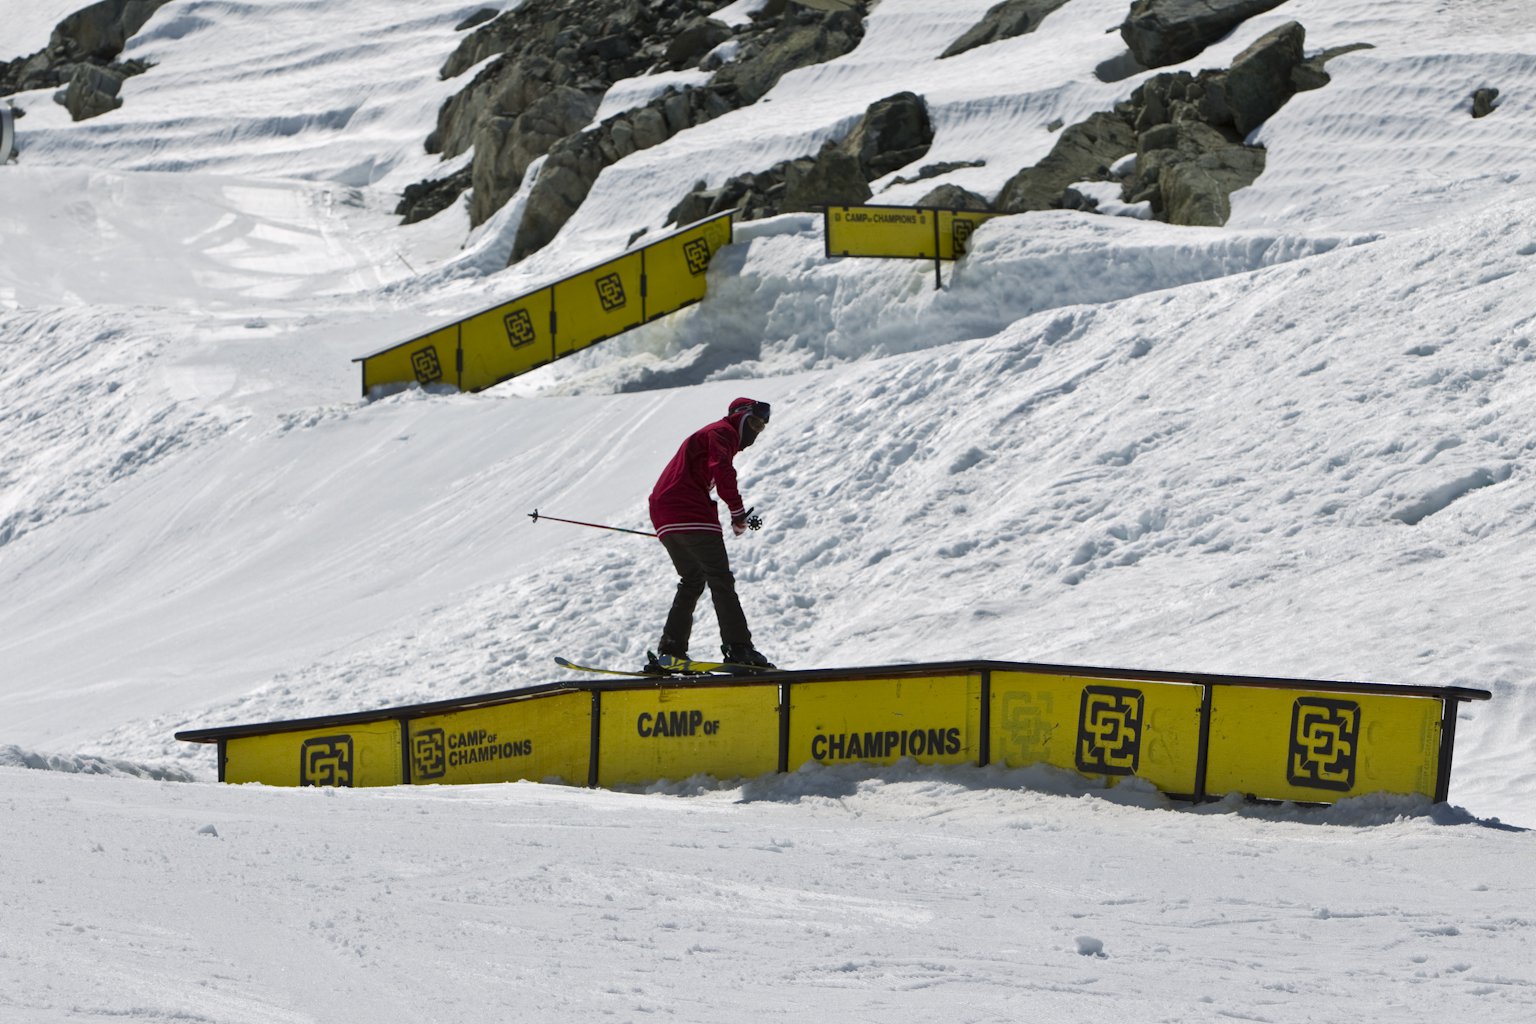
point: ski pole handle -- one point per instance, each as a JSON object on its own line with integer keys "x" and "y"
{"x": 535, "y": 516}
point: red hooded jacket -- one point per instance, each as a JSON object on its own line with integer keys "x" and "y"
{"x": 681, "y": 500}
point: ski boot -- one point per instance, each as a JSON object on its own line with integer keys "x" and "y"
{"x": 745, "y": 656}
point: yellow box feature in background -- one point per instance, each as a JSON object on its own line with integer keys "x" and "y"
{"x": 1099, "y": 727}
{"x": 955, "y": 230}
{"x": 511, "y": 339}
{"x": 675, "y": 266}
{"x": 1279, "y": 744}
{"x": 675, "y": 732}
{"x": 598, "y": 304}
{"x": 429, "y": 359}
{"x": 934, "y": 720}
{"x": 898, "y": 232}
{"x": 364, "y": 754}
{"x": 536, "y": 739}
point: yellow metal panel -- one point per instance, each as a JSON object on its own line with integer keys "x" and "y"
{"x": 510, "y": 339}
{"x": 1318, "y": 746}
{"x": 1099, "y": 727}
{"x": 540, "y": 739}
{"x": 934, "y": 720}
{"x": 598, "y": 304}
{"x": 366, "y": 754}
{"x": 892, "y": 231}
{"x": 430, "y": 359}
{"x": 675, "y": 732}
{"x": 955, "y": 229}
{"x": 675, "y": 266}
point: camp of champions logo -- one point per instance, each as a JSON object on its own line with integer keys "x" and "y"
{"x": 519, "y": 325}
{"x": 1109, "y": 730}
{"x": 697, "y": 254}
{"x": 326, "y": 761}
{"x": 1325, "y": 743}
{"x": 863, "y": 746}
{"x": 610, "y": 292}
{"x": 426, "y": 366}
{"x": 434, "y": 751}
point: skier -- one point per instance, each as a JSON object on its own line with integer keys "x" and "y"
{"x": 687, "y": 522}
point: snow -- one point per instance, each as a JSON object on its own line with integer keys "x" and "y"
{"x": 1298, "y": 445}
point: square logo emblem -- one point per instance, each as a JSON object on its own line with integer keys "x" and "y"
{"x": 1325, "y": 743}
{"x": 610, "y": 292}
{"x": 960, "y": 233}
{"x": 429, "y": 754}
{"x": 326, "y": 761}
{"x": 519, "y": 326}
{"x": 1109, "y": 730}
{"x": 427, "y": 367}
{"x": 697, "y": 254}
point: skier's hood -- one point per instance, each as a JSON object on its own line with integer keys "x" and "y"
{"x": 740, "y": 409}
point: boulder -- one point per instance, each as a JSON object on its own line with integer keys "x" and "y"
{"x": 92, "y": 91}
{"x": 953, "y": 197}
{"x": 1008, "y": 19}
{"x": 1163, "y": 32}
{"x": 1259, "y": 82}
{"x": 101, "y": 30}
{"x": 1084, "y": 152}
{"x": 1197, "y": 192}
{"x": 1483, "y": 102}
{"x": 834, "y": 178}
{"x": 892, "y": 133}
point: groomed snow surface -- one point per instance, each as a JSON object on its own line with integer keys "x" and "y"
{"x": 1298, "y": 445}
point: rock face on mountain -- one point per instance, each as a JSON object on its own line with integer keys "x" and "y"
{"x": 1163, "y": 32}
{"x": 893, "y": 133}
{"x": 81, "y": 56}
{"x": 1008, "y": 19}
{"x": 554, "y": 60}
{"x": 1187, "y": 133}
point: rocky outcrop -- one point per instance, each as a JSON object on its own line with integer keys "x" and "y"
{"x": 1164, "y": 32}
{"x": 953, "y": 197}
{"x": 1085, "y": 152}
{"x": 546, "y": 64}
{"x": 892, "y": 133}
{"x": 1483, "y": 102}
{"x": 799, "y": 36}
{"x": 81, "y": 57}
{"x": 1187, "y": 133}
{"x": 1008, "y": 19}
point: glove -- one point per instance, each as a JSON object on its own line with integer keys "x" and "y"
{"x": 746, "y": 521}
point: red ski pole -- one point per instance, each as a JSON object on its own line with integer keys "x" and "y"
{"x": 534, "y": 515}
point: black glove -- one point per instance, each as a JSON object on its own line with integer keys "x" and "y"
{"x": 746, "y": 521}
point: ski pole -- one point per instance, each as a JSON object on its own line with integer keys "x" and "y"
{"x": 534, "y": 515}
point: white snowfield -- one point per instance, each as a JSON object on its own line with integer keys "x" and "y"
{"x": 1298, "y": 445}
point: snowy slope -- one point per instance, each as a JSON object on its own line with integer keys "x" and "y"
{"x": 1296, "y": 445}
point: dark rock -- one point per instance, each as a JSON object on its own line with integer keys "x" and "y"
{"x": 953, "y": 197}
{"x": 101, "y": 30}
{"x": 477, "y": 19}
{"x": 506, "y": 147}
{"x": 1084, "y": 152}
{"x": 695, "y": 40}
{"x": 834, "y": 178}
{"x": 1197, "y": 192}
{"x": 91, "y": 91}
{"x": 892, "y": 133}
{"x": 1483, "y": 102}
{"x": 429, "y": 198}
{"x": 935, "y": 170}
{"x": 1163, "y": 32}
{"x": 1008, "y": 19}
{"x": 1259, "y": 81}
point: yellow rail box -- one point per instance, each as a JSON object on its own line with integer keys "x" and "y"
{"x": 355, "y": 754}
{"x": 546, "y": 739}
{"x": 674, "y": 732}
{"x": 1099, "y": 726}
{"x": 1320, "y": 746}
{"x": 931, "y": 719}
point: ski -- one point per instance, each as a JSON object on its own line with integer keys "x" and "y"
{"x": 563, "y": 663}
{"x": 668, "y": 667}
